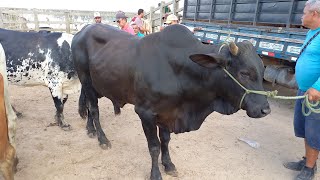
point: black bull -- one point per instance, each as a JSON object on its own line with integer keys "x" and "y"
{"x": 173, "y": 80}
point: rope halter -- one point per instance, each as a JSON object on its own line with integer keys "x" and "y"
{"x": 307, "y": 106}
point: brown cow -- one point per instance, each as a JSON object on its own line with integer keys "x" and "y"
{"x": 7, "y": 151}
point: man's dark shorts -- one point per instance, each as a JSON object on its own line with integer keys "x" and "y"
{"x": 307, "y": 127}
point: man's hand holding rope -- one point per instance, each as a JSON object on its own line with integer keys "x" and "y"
{"x": 313, "y": 95}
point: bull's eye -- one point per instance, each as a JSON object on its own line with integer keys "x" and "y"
{"x": 245, "y": 74}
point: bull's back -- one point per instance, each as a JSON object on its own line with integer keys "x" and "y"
{"x": 111, "y": 56}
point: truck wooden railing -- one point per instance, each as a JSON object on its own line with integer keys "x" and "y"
{"x": 155, "y": 14}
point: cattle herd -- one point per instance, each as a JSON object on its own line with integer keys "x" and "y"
{"x": 172, "y": 79}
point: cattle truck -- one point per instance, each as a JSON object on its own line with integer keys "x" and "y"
{"x": 272, "y": 26}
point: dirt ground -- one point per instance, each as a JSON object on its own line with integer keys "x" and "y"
{"x": 212, "y": 152}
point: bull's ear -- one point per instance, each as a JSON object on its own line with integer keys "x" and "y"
{"x": 211, "y": 60}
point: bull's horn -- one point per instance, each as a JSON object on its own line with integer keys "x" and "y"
{"x": 233, "y": 48}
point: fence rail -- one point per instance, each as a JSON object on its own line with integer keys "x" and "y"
{"x": 69, "y": 21}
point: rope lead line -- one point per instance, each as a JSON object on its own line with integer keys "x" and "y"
{"x": 306, "y": 104}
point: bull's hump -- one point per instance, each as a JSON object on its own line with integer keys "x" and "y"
{"x": 179, "y": 36}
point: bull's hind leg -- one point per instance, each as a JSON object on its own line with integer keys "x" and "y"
{"x": 150, "y": 131}
{"x": 84, "y": 112}
{"x": 59, "y": 117}
{"x": 92, "y": 99}
{"x": 165, "y": 156}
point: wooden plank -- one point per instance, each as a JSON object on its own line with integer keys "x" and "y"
{"x": 1, "y": 19}
{"x": 179, "y": 10}
{"x": 168, "y": 3}
{"x": 151, "y": 18}
{"x": 67, "y": 22}
{"x": 162, "y": 5}
{"x": 36, "y": 21}
{"x": 40, "y": 22}
{"x": 175, "y": 7}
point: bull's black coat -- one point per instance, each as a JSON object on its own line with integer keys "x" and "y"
{"x": 168, "y": 89}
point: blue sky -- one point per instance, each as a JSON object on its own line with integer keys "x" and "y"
{"x": 94, "y": 5}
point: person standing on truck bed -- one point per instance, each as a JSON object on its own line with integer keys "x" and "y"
{"x": 308, "y": 80}
{"x": 173, "y": 19}
{"x": 138, "y": 20}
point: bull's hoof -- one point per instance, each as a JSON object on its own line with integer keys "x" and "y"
{"x": 171, "y": 170}
{"x": 155, "y": 174}
{"x": 92, "y": 134}
{"x": 15, "y": 164}
{"x": 52, "y": 124}
{"x": 66, "y": 127}
{"x": 19, "y": 115}
{"x": 173, "y": 173}
{"x": 156, "y": 177}
{"x": 83, "y": 115}
{"x": 105, "y": 146}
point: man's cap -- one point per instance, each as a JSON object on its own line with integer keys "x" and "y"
{"x": 171, "y": 18}
{"x": 120, "y": 14}
{"x": 96, "y": 14}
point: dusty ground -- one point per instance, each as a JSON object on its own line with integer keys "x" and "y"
{"x": 213, "y": 152}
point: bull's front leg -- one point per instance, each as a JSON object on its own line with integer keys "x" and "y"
{"x": 150, "y": 130}
{"x": 59, "y": 117}
{"x": 169, "y": 167}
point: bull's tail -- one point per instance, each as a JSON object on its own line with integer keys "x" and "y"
{"x": 116, "y": 108}
{"x": 83, "y": 109}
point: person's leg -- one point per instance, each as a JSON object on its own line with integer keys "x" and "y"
{"x": 312, "y": 146}
{"x": 309, "y": 169}
{"x": 311, "y": 155}
{"x": 299, "y": 131}
{"x": 312, "y": 138}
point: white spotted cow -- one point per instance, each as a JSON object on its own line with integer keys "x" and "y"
{"x": 42, "y": 59}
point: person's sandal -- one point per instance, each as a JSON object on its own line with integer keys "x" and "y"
{"x": 306, "y": 173}
{"x": 296, "y": 166}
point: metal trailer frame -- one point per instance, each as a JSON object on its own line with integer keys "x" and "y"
{"x": 272, "y": 42}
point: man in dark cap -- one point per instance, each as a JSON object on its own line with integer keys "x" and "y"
{"x": 121, "y": 19}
